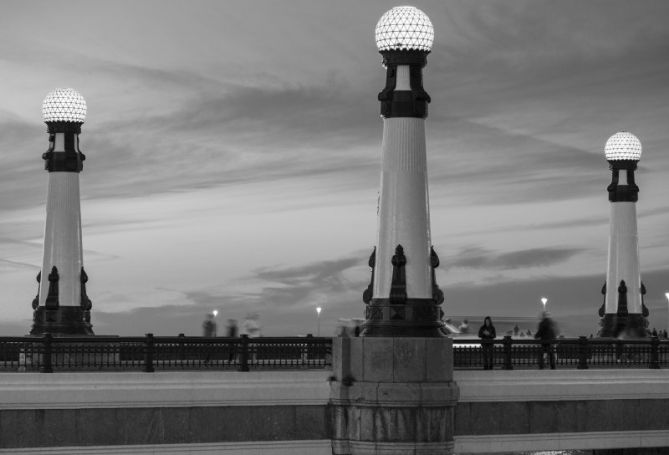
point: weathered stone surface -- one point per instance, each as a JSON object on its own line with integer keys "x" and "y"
{"x": 123, "y": 426}
{"x": 438, "y": 359}
{"x": 568, "y": 416}
{"x": 377, "y": 354}
{"x": 400, "y": 404}
{"x": 409, "y": 357}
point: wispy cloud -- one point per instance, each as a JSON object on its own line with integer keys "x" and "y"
{"x": 479, "y": 258}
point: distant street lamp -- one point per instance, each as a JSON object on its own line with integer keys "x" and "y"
{"x": 318, "y": 321}
{"x": 215, "y": 313}
{"x": 544, "y": 300}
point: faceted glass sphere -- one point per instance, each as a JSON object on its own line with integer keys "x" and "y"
{"x": 64, "y": 105}
{"x": 404, "y": 28}
{"x": 623, "y": 146}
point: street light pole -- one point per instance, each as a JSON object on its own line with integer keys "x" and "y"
{"x": 318, "y": 321}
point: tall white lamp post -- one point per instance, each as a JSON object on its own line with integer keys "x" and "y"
{"x": 318, "y": 321}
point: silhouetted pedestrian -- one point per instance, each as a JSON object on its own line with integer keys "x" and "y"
{"x": 232, "y": 332}
{"x": 251, "y": 328}
{"x": 209, "y": 326}
{"x": 487, "y": 334}
{"x": 546, "y": 332}
{"x": 232, "y": 329}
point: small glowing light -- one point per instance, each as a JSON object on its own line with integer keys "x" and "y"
{"x": 544, "y": 300}
{"x": 404, "y": 28}
{"x": 623, "y": 146}
{"x": 666, "y": 294}
{"x": 64, "y": 105}
{"x": 215, "y": 313}
{"x": 318, "y": 310}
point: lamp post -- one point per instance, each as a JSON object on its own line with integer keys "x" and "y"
{"x": 544, "y": 300}
{"x": 62, "y": 306}
{"x": 623, "y": 310}
{"x": 403, "y": 299}
{"x": 318, "y": 321}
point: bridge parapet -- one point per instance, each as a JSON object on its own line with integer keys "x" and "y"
{"x": 523, "y": 410}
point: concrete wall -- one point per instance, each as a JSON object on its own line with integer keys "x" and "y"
{"x": 286, "y": 412}
{"x": 508, "y": 411}
{"x": 166, "y": 412}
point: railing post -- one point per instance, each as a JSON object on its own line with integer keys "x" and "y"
{"x": 508, "y": 365}
{"x": 582, "y": 353}
{"x": 244, "y": 355}
{"x": 654, "y": 353}
{"x": 46, "y": 354}
{"x": 148, "y": 353}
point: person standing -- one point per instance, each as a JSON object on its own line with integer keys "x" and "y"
{"x": 487, "y": 334}
{"x": 208, "y": 330}
{"x": 546, "y": 332}
{"x": 232, "y": 331}
{"x": 209, "y": 326}
{"x": 251, "y": 328}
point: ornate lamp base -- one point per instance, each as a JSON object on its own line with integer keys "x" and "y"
{"x": 61, "y": 321}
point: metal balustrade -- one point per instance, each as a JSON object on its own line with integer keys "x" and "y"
{"x": 570, "y": 353}
{"x": 153, "y": 353}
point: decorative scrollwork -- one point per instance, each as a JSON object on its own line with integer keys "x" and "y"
{"x": 52, "y": 296}
{"x": 398, "y": 286}
{"x": 369, "y": 292}
{"x": 86, "y": 303}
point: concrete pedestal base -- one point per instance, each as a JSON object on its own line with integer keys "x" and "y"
{"x": 392, "y": 396}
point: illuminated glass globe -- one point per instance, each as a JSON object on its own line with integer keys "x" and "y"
{"x": 404, "y": 28}
{"x": 64, "y": 105}
{"x": 623, "y": 146}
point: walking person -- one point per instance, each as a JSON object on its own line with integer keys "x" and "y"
{"x": 232, "y": 331}
{"x": 546, "y": 332}
{"x": 251, "y": 328}
{"x": 209, "y": 326}
{"x": 208, "y": 330}
{"x": 487, "y": 334}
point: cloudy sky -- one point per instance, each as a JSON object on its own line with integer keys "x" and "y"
{"x": 234, "y": 152}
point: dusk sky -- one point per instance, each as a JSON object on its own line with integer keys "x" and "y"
{"x": 233, "y": 155}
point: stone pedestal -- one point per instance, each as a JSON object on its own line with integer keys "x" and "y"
{"x": 392, "y": 396}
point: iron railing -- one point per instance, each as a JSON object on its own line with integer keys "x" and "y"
{"x": 152, "y": 353}
{"x": 580, "y": 353}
